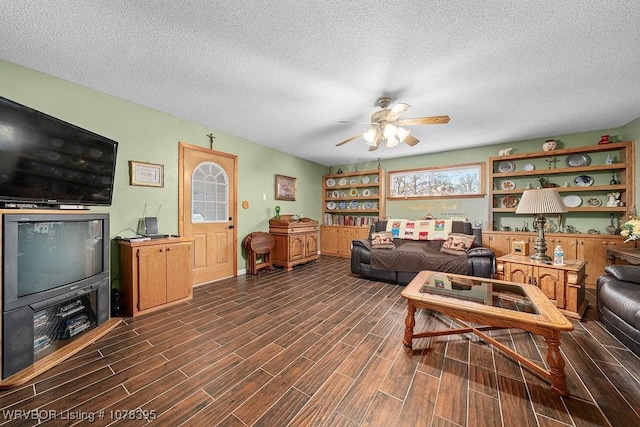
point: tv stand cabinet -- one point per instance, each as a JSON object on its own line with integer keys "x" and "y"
{"x": 155, "y": 273}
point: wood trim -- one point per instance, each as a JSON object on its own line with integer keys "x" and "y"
{"x": 61, "y": 355}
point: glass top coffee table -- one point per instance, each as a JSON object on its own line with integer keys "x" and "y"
{"x": 494, "y": 304}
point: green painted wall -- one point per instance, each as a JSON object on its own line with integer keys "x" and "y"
{"x": 148, "y": 135}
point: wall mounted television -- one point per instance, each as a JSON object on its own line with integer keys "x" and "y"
{"x": 46, "y": 257}
{"x": 45, "y": 161}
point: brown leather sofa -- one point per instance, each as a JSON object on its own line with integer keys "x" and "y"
{"x": 618, "y": 293}
{"x": 480, "y": 260}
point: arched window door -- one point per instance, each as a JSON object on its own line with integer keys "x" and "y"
{"x": 209, "y": 193}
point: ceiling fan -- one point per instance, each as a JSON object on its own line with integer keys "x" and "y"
{"x": 387, "y": 127}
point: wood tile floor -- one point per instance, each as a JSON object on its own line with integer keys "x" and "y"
{"x": 319, "y": 347}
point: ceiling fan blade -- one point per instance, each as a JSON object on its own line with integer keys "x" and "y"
{"x": 349, "y": 139}
{"x": 397, "y": 110}
{"x": 411, "y": 140}
{"x": 433, "y": 120}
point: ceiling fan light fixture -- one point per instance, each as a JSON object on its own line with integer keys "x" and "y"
{"x": 402, "y": 134}
{"x": 389, "y": 131}
{"x": 370, "y": 136}
{"x": 392, "y": 142}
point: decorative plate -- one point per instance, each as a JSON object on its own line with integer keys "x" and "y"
{"x": 376, "y": 179}
{"x": 353, "y": 181}
{"x": 508, "y": 185}
{"x": 572, "y": 200}
{"x": 366, "y": 192}
{"x": 506, "y": 166}
{"x": 342, "y": 181}
{"x": 331, "y": 182}
{"x": 335, "y": 194}
{"x": 353, "y": 192}
{"x": 343, "y": 194}
{"x": 594, "y": 202}
{"x": 365, "y": 180}
{"x": 353, "y": 204}
{"x": 574, "y": 160}
{"x": 528, "y": 167}
{"x": 331, "y": 205}
{"x": 367, "y": 205}
{"x": 342, "y": 205}
{"x": 583, "y": 181}
{"x": 509, "y": 201}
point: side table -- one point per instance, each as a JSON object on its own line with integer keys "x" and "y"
{"x": 563, "y": 284}
{"x": 631, "y": 255}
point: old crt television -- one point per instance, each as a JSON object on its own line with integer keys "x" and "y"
{"x": 50, "y": 257}
{"x": 48, "y": 162}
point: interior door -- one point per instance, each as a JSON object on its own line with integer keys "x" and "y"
{"x": 208, "y": 211}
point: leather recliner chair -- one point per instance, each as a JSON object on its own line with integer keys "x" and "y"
{"x": 618, "y": 294}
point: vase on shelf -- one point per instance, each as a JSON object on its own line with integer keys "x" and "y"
{"x": 549, "y": 145}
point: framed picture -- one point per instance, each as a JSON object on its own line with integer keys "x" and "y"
{"x": 146, "y": 174}
{"x": 285, "y": 188}
{"x": 452, "y": 181}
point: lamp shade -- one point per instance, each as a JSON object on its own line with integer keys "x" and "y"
{"x": 541, "y": 201}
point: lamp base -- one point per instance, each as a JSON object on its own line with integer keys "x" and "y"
{"x": 540, "y": 257}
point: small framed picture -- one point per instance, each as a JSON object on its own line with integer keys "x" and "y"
{"x": 146, "y": 174}
{"x": 285, "y": 188}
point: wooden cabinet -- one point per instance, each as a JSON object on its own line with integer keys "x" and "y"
{"x": 587, "y": 174}
{"x": 336, "y": 240}
{"x": 351, "y": 202}
{"x": 155, "y": 273}
{"x": 564, "y": 284}
{"x": 296, "y": 242}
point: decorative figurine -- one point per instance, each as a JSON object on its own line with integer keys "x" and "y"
{"x": 504, "y": 152}
{"x": 277, "y": 212}
{"x": 604, "y": 139}
{"x": 549, "y": 145}
{"x": 614, "y": 199}
{"x": 609, "y": 160}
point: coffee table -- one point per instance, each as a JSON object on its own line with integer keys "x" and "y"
{"x": 494, "y": 304}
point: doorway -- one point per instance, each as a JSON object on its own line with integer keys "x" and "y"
{"x": 207, "y": 211}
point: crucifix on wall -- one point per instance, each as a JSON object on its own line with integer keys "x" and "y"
{"x": 211, "y": 138}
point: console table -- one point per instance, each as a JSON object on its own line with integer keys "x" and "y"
{"x": 631, "y": 255}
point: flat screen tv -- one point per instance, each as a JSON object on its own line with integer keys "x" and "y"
{"x": 48, "y": 162}
{"x": 46, "y": 257}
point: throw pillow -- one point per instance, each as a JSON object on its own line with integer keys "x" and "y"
{"x": 457, "y": 244}
{"x": 382, "y": 240}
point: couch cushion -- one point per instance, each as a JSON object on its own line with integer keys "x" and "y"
{"x": 457, "y": 244}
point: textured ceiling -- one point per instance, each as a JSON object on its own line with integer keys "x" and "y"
{"x": 283, "y": 73}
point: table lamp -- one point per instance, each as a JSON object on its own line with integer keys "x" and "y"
{"x": 540, "y": 202}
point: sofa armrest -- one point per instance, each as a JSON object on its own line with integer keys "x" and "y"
{"x": 626, "y": 273}
{"x": 482, "y": 262}
{"x": 480, "y": 252}
{"x": 364, "y": 243}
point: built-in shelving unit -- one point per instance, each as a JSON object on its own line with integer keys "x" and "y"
{"x": 351, "y": 203}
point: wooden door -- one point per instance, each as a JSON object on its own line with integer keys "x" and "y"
{"x": 500, "y": 244}
{"x": 329, "y": 240}
{"x": 551, "y": 282}
{"x": 296, "y": 247}
{"x": 179, "y": 266}
{"x": 208, "y": 210}
{"x": 519, "y": 273}
{"x": 311, "y": 244}
{"x": 152, "y": 276}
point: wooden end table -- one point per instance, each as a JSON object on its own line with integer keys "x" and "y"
{"x": 630, "y": 255}
{"x": 563, "y": 284}
{"x": 495, "y": 304}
